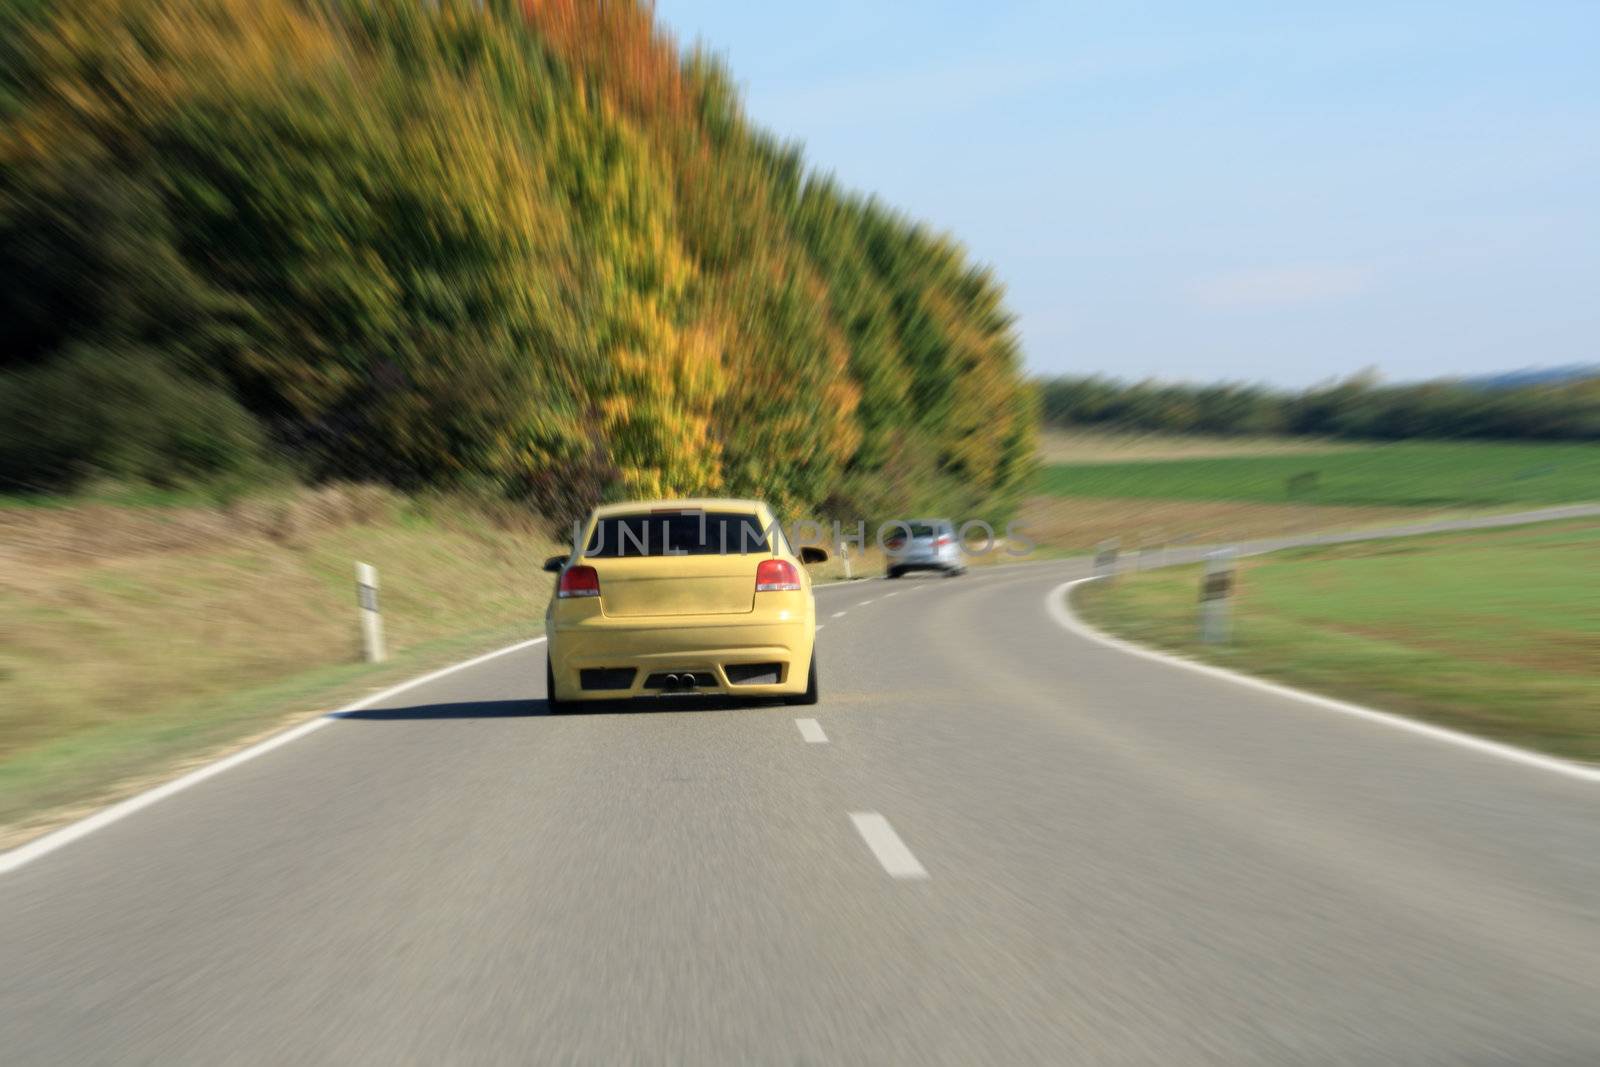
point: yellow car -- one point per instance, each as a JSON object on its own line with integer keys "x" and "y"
{"x": 678, "y": 597}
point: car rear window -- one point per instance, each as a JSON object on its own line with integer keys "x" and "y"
{"x": 677, "y": 533}
{"x": 923, "y": 529}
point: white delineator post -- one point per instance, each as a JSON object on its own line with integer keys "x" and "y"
{"x": 1105, "y": 558}
{"x": 1216, "y": 590}
{"x": 371, "y": 621}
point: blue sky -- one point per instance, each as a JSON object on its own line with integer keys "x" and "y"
{"x": 1271, "y": 192}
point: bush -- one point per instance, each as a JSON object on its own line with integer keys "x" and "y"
{"x": 125, "y": 417}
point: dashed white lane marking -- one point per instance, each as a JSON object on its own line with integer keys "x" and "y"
{"x": 838, "y": 614}
{"x": 811, "y": 730}
{"x": 886, "y": 845}
{"x": 863, "y": 603}
{"x": 40, "y": 846}
{"x": 891, "y": 593}
{"x": 818, "y": 626}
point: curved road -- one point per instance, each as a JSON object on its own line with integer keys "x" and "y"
{"x": 1014, "y": 845}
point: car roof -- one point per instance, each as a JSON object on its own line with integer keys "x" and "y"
{"x": 697, "y": 503}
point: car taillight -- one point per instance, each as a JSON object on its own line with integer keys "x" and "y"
{"x": 944, "y": 539}
{"x": 895, "y": 542}
{"x": 775, "y": 575}
{"x": 579, "y": 581}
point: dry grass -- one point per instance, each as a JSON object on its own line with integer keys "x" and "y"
{"x": 1063, "y": 524}
{"x": 132, "y": 636}
{"x": 1087, "y": 446}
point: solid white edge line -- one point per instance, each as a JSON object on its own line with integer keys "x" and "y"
{"x": 885, "y": 844}
{"x": 50, "y": 842}
{"x": 811, "y": 730}
{"x": 1058, "y": 603}
{"x": 848, "y": 581}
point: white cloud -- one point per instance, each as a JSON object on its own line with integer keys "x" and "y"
{"x": 1278, "y": 286}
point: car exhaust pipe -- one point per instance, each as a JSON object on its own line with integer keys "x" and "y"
{"x": 672, "y": 682}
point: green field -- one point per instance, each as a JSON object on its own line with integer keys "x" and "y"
{"x": 1411, "y": 474}
{"x": 1495, "y": 633}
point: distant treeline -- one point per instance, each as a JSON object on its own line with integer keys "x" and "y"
{"x": 1359, "y": 408}
{"x": 530, "y": 247}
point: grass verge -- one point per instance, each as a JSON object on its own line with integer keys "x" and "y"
{"x": 1495, "y": 633}
{"x": 79, "y": 773}
{"x": 135, "y": 640}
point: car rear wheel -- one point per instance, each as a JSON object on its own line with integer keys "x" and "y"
{"x": 895, "y": 572}
{"x": 810, "y": 695}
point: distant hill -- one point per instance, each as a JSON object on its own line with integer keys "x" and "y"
{"x": 1522, "y": 379}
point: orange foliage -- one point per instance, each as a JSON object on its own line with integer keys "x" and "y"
{"x": 619, "y": 46}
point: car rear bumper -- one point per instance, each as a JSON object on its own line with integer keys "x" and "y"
{"x": 707, "y": 651}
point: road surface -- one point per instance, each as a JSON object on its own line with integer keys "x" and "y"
{"x": 994, "y": 841}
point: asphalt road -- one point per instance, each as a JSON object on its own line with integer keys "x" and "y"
{"x": 1016, "y": 845}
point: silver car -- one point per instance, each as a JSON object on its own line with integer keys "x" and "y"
{"x": 932, "y": 545}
